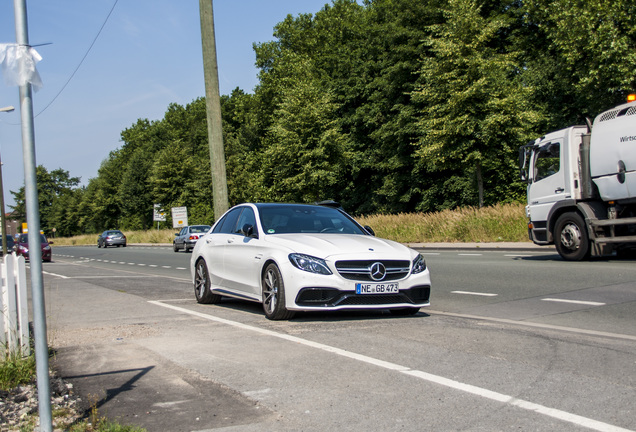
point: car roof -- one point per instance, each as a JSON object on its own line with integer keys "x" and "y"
{"x": 271, "y": 205}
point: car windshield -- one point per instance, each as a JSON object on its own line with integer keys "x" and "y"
{"x": 196, "y": 229}
{"x": 24, "y": 238}
{"x": 298, "y": 218}
{"x": 114, "y": 233}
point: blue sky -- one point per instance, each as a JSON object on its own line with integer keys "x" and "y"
{"x": 147, "y": 56}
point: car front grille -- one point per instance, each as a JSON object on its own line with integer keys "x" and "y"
{"x": 360, "y": 270}
{"x": 331, "y": 297}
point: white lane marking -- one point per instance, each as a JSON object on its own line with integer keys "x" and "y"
{"x": 536, "y": 325}
{"x": 581, "y": 302}
{"x": 469, "y": 254}
{"x": 475, "y": 293}
{"x": 181, "y": 268}
{"x": 170, "y": 404}
{"x": 430, "y": 253}
{"x": 478, "y": 391}
{"x": 55, "y": 274}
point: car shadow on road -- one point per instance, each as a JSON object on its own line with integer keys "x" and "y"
{"x": 308, "y": 316}
{"x": 557, "y": 257}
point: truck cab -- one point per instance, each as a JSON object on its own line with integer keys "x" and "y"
{"x": 550, "y": 166}
{"x": 582, "y": 186}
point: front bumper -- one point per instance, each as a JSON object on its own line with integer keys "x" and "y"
{"x": 417, "y": 296}
{"x": 307, "y": 291}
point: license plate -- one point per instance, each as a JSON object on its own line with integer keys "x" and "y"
{"x": 377, "y": 288}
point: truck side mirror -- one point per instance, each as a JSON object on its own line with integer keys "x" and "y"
{"x": 524, "y": 151}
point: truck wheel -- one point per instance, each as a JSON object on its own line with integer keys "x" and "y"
{"x": 570, "y": 237}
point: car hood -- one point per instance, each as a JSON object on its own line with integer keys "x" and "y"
{"x": 342, "y": 246}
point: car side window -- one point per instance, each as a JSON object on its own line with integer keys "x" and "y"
{"x": 548, "y": 162}
{"x": 227, "y": 224}
{"x": 247, "y": 217}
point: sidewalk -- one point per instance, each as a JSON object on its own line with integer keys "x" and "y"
{"x": 107, "y": 345}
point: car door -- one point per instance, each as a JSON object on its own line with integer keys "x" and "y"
{"x": 213, "y": 246}
{"x": 180, "y": 240}
{"x": 243, "y": 256}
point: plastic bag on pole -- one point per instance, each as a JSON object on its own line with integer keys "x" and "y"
{"x": 18, "y": 65}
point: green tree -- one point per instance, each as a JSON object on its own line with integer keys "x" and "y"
{"x": 580, "y": 55}
{"x": 134, "y": 193}
{"x": 476, "y": 111}
{"x": 304, "y": 149}
{"x": 54, "y": 188}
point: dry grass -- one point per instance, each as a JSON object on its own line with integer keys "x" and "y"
{"x": 499, "y": 223}
{"x": 150, "y": 236}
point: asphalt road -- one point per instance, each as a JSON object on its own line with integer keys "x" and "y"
{"x": 512, "y": 341}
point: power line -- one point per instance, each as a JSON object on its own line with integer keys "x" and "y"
{"x": 81, "y": 61}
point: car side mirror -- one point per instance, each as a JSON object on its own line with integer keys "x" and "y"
{"x": 369, "y": 230}
{"x": 248, "y": 231}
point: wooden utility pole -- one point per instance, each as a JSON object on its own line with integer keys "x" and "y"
{"x": 213, "y": 108}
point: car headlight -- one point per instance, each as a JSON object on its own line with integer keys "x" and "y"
{"x": 419, "y": 265}
{"x": 309, "y": 264}
{"x": 47, "y": 248}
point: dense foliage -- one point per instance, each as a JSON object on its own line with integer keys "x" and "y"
{"x": 387, "y": 106}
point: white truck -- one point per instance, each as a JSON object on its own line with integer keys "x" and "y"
{"x": 582, "y": 186}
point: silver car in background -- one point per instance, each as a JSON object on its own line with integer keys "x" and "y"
{"x": 188, "y": 236}
{"x": 111, "y": 238}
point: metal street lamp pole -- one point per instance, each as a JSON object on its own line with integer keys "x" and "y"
{"x": 2, "y": 215}
{"x": 33, "y": 220}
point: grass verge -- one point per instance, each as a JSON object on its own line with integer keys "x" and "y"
{"x": 18, "y": 372}
{"x": 499, "y": 223}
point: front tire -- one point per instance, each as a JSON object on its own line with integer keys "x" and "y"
{"x": 274, "y": 294}
{"x": 570, "y": 237}
{"x": 202, "y": 290}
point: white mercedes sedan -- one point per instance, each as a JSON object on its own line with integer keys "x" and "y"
{"x": 299, "y": 257}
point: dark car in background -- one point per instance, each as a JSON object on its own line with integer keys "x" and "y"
{"x": 188, "y": 236}
{"x": 111, "y": 238}
{"x": 10, "y": 244}
{"x": 22, "y": 246}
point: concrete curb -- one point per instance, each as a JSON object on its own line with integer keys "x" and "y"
{"x": 511, "y": 246}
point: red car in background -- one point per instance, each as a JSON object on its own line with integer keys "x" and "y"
{"x": 22, "y": 246}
